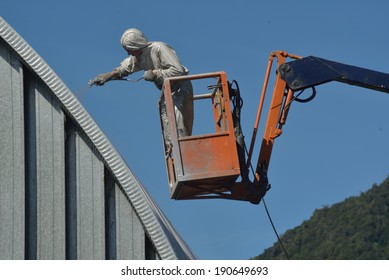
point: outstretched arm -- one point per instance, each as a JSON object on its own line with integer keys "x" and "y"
{"x": 101, "y": 79}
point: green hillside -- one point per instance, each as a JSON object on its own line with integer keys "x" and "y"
{"x": 357, "y": 228}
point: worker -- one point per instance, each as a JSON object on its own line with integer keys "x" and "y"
{"x": 159, "y": 61}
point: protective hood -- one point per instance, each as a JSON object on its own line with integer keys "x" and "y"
{"x": 134, "y": 40}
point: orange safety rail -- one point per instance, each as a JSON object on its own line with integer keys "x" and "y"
{"x": 206, "y": 165}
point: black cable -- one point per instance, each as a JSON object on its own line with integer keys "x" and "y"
{"x": 274, "y": 229}
{"x": 269, "y": 217}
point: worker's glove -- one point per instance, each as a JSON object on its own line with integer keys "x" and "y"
{"x": 149, "y": 75}
{"x": 100, "y": 80}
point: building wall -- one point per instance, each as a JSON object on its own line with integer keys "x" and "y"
{"x": 12, "y": 157}
{"x": 58, "y": 199}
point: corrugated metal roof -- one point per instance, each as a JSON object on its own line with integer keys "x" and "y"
{"x": 167, "y": 241}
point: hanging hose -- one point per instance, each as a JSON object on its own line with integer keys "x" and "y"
{"x": 271, "y": 222}
{"x": 274, "y": 229}
{"x": 237, "y": 103}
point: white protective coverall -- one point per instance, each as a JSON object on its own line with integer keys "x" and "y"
{"x": 161, "y": 57}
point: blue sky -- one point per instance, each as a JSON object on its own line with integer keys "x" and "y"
{"x": 333, "y": 147}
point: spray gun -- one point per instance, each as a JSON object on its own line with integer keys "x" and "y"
{"x": 93, "y": 81}
{"x": 79, "y": 93}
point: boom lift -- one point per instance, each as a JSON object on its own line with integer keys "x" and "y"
{"x": 208, "y": 166}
